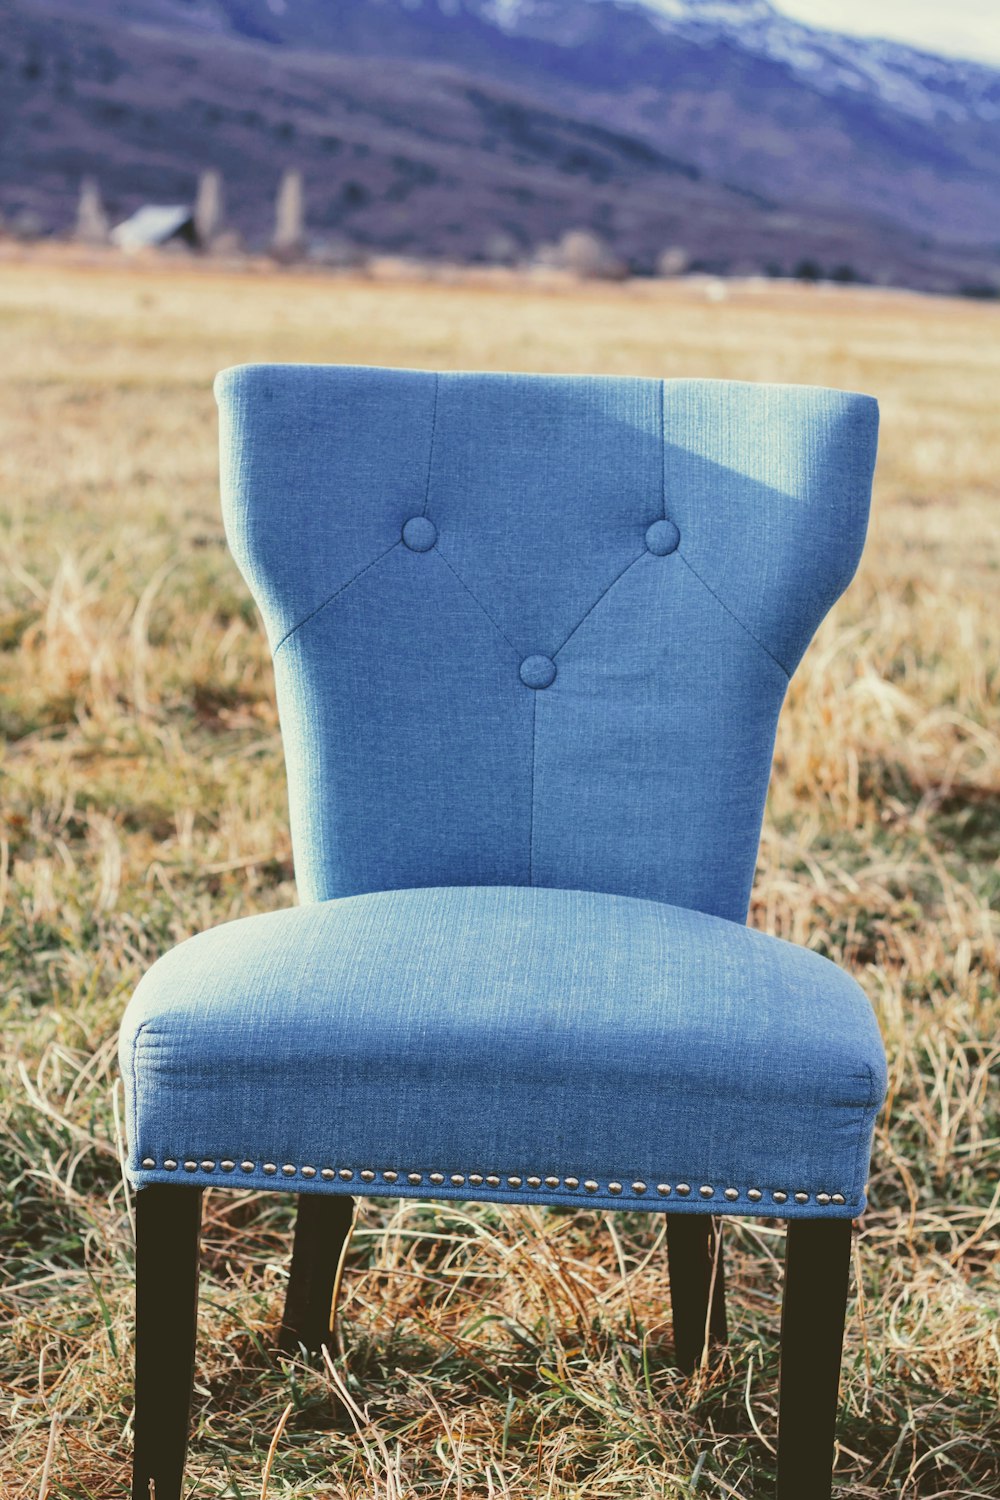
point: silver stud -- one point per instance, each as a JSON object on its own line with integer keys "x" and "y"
{"x": 492, "y": 1179}
{"x": 190, "y": 1166}
{"x": 663, "y": 1188}
{"x": 414, "y": 1177}
{"x": 169, "y": 1165}
{"x": 572, "y": 1183}
{"x": 457, "y": 1180}
{"x": 208, "y": 1166}
{"x": 638, "y": 1187}
{"x": 247, "y": 1166}
{"x": 345, "y": 1174}
{"x": 823, "y": 1199}
{"x": 590, "y": 1185}
{"x": 227, "y": 1165}
{"x": 732, "y": 1194}
{"x": 614, "y": 1187}
{"x": 327, "y": 1174}
{"x": 148, "y": 1163}
{"x": 309, "y": 1171}
{"x": 683, "y": 1188}
{"x": 390, "y": 1176}
{"x": 270, "y": 1169}
{"x": 802, "y": 1197}
{"x": 552, "y": 1182}
{"x": 780, "y": 1197}
{"x": 367, "y": 1175}
{"x": 514, "y": 1182}
{"x": 837, "y": 1197}
{"x": 706, "y": 1191}
{"x": 754, "y": 1194}
{"x": 437, "y": 1178}
{"x": 534, "y": 1182}
{"x": 288, "y": 1170}
{"x": 476, "y": 1178}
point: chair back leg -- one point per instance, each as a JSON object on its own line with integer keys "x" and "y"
{"x": 817, "y": 1267}
{"x": 322, "y": 1228}
{"x": 168, "y": 1222}
{"x": 697, "y": 1286}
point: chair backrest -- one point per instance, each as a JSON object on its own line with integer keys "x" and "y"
{"x": 537, "y": 629}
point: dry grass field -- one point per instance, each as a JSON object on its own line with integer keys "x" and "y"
{"x": 485, "y": 1354}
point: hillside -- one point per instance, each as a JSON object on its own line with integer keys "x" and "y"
{"x": 440, "y": 129}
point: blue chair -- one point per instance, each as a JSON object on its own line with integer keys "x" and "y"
{"x": 531, "y": 637}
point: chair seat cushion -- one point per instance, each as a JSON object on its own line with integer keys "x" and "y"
{"x": 514, "y": 1043}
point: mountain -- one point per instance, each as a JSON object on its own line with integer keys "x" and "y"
{"x": 433, "y": 126}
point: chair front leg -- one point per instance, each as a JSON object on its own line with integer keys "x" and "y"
{"x": 697, "y": 1286}
{"x": 168, "y": 1221}
{"x": 817, "y": 1267}
{"x": 322, "y": 1228}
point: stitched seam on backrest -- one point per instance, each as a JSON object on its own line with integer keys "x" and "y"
{"x": 335, "y": 595}
{"x": 590, "y": 611}
{"x": 735, "y": 617}
{"x": 476, "y": 600}
{"x": 531, "y": 810}
{"x": 430, "y": 450}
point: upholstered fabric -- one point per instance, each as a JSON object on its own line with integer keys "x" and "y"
{"x": 416, "y": 752}
{"x": 531, "y": 636}
{"x": 576, "y": 1046}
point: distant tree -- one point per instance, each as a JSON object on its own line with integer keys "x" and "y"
{"x": 92, "y": 227}
{"x": 289, "y": 217}
{"x": 585, "y": 254}
{"x": 673, "y": 261}
{"x": 844, "y": 273}
{"x": 808, "y": 270}
{"x": 209, "y": 208}
{"x": 501, "y": 248}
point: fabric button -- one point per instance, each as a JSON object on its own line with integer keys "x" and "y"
{"x": 538, "y": 671}
{"x": 662, "y": 537}
{"x": 420, "y": 533}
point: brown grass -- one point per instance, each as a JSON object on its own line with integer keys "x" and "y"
{"x": 525, "y": 1353}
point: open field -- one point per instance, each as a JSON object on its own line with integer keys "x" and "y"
{"x": 524, "y": 1353}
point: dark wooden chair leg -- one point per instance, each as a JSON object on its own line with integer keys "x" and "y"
{"x": 322, "y": 1225}
{"x": 697, "y": 1275}
{"x": 817, "y": 1268}
{"x": 167, "y": 1221}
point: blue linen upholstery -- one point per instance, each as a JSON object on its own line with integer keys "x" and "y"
{"x": 531, "y": 637}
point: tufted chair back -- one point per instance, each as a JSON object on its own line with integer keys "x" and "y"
{"x": 536, "y": 630}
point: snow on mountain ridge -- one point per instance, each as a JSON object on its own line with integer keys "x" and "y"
{"x": 918, "y": 83}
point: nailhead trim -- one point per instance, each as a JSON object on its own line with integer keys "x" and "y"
{"x": 492, "y": 1179}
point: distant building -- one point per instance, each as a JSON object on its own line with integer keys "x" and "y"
{"x": 156, "y": 224}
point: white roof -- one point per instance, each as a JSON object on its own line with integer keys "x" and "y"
{"x": 153, "y": 224}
